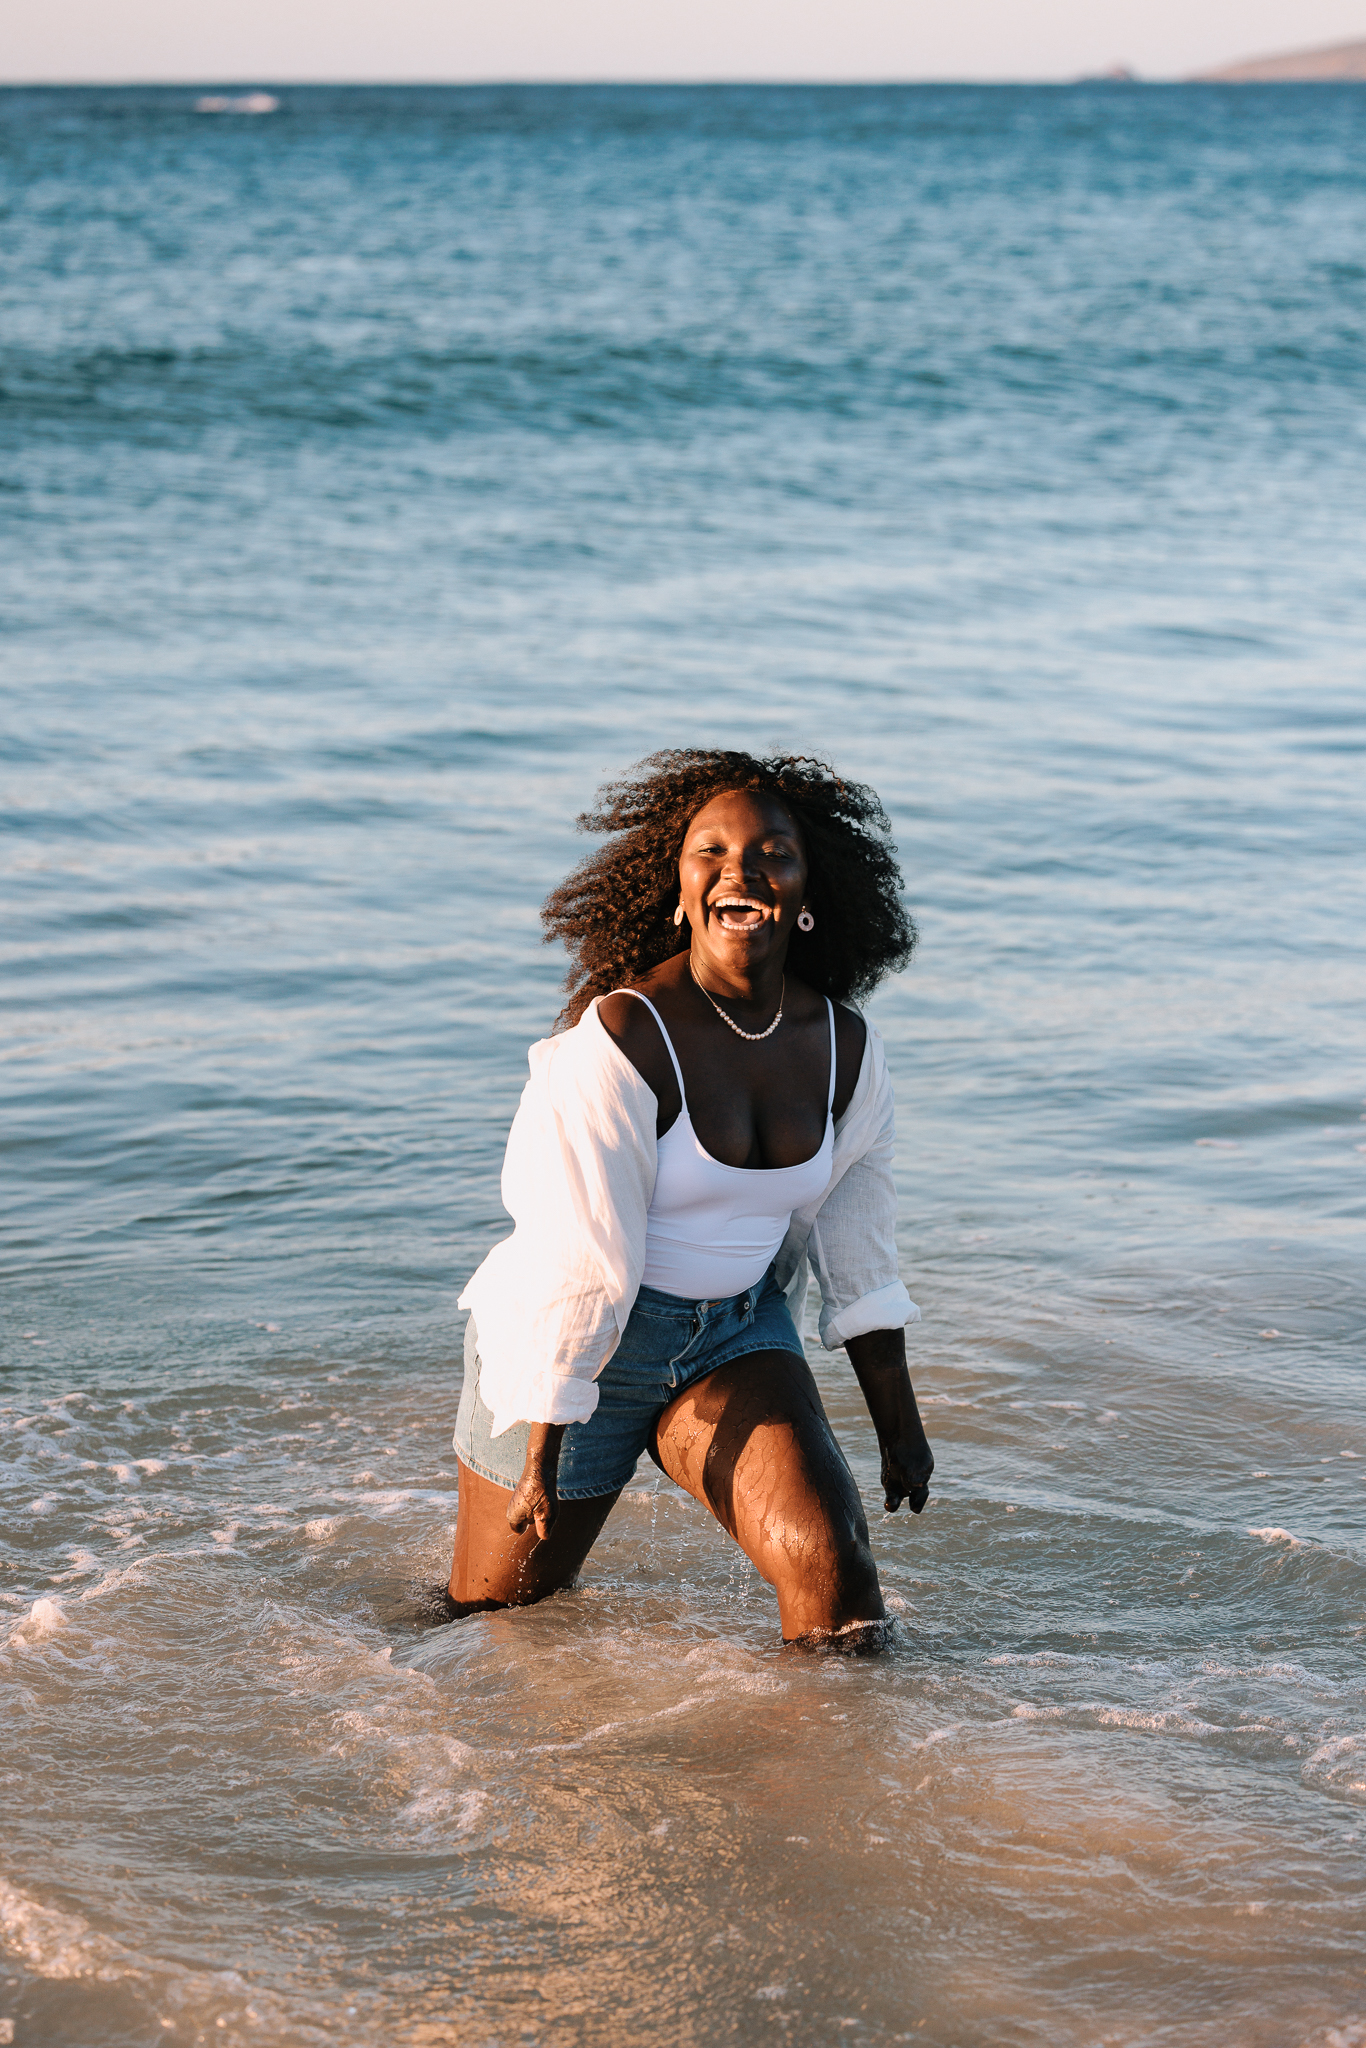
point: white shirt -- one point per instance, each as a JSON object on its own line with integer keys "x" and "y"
{"x": 552, "y": 1300}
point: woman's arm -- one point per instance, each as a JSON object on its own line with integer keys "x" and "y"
{"x": 536, "y": 1499}
{"x": 551, "y": 1300}
{"x": 879, "y": 1362}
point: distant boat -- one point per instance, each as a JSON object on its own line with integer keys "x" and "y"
{"x": 241, "y": 103}
{"x": 1336, "y": 60}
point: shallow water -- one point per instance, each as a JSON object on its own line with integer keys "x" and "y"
{"x": 378, "y": 475}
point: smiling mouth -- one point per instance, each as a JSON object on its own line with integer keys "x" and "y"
{"x": 740, "y": 913}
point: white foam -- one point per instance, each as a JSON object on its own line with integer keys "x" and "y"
{"x": 133, "y": 1574}
{"x": 940, "y": 1735}
{"x": 1146, "y": 1721}
{"x": 455, "y": 1812}
{"x": 1338, "y": 1766}
{"x": 1168, "y": 1721}
{"x": 62, "y": 1946}
{"x": 43, "y": 1619}
{"x": 1285, "y": 1674}
{"x": 52, "y": 1943}
{"x": 1272, "y": 1534}
{"x": 390, "y": 1501}
{"x": 1037, "y": 1659}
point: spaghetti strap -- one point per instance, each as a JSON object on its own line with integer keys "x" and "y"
{"x": 683, "y": 1093}
{"x": 829, "y": 1107}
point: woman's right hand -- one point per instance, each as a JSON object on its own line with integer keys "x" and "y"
{"x": 536, "y": 1499}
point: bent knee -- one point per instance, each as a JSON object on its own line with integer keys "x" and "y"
{"x": 824, "y": 1587}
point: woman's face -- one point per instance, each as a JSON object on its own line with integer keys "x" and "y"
{"x": 742, "y": 874}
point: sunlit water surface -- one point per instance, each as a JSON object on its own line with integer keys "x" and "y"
{"x": 377, "y": 476}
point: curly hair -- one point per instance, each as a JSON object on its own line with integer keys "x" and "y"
{"x": 614, "y": 913}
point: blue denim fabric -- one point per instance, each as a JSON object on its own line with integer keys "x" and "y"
{"x": 666, "y": 1345}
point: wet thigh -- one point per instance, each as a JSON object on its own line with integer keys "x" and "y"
{"x": 493, "y": 1566}
{"x": 753, "y": 1443}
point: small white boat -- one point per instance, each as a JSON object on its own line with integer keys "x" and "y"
{"x": 241, "y": 103}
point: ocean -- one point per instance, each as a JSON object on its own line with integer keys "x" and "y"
{"x": 377, "y": 475}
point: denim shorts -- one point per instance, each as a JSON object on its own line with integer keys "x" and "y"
{"x": 667, "y": 1344}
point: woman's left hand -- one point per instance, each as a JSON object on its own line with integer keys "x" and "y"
{"x": 879, "y": 1362}
{"x": 907, "y": 1463}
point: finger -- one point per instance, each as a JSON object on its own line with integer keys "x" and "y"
{"x": 521, "y": 1509}
{"x": 545, "y": 1519}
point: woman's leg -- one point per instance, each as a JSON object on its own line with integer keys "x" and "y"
{"x": 753, "y": 1443}
{"x": 495, "y": 1567}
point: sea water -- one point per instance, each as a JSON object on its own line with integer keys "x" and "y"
{"x": 382, "y": 471}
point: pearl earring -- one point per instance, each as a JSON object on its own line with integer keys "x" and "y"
{"x": 678, "y": 914}
{"x": 805, "y": 921}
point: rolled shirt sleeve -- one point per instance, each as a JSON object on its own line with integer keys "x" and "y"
{"x": 550, "y": 1302}
{"x": 850, "y": 1239}
{"x": 852, "y": 1249}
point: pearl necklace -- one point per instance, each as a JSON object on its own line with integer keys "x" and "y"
{"x": 752, "y": 1036}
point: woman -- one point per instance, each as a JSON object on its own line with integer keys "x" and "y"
{"x": 712, "y": 1119}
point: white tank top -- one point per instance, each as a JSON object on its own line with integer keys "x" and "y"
{"x": 712, "y": 1230}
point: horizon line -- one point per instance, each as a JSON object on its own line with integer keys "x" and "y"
{"x": 262, "y": 80}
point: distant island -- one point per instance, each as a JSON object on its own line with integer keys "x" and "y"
{"x": 1338, "y": 60}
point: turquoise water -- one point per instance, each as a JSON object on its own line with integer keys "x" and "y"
{"x": 375, "y": 477}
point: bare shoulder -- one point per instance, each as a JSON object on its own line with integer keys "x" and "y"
{"x": 632, "y": 1028}
{"x": 851, "y": 1036}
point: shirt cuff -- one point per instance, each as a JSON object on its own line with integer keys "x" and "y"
{"x": 545, "y": 1397}
{"x": 887, "y": 1308}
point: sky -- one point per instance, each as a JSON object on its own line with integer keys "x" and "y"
{"x": 269, "y": 41}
